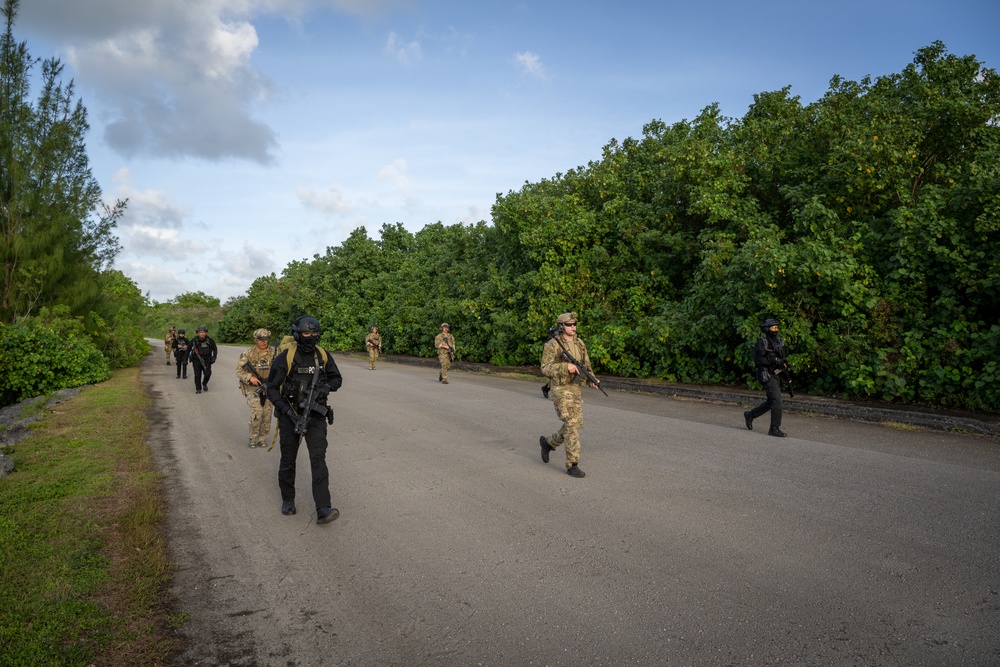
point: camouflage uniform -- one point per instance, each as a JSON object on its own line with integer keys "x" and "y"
{"x": 168, "y": 343}
{"x": 566, "y": 396}
{"x": 444, "y": 355}
{"x": 373, "y": 342}
{"x": 260, "y": 412}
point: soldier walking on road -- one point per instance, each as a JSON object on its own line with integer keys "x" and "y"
{"x": 373, "y": 342}
{"x": 203, "y": 354}
{"x": 168, "y": 342}
{"x": 444, "y": 343}
{"x": 771, "y": 360}
{"x": 259, "y": 358}
{"x": 301, "y": 372}
{"x": 565, "y": 378}
{"x": 181, "y": 347}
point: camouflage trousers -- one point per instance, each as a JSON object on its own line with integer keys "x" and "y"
{"x": 166, "y": 348}
{"x": 568, "y": 402}
{"x": 260, "y": 420}
{"x": 372, "y": 357}
{"x": 445, "y": 363}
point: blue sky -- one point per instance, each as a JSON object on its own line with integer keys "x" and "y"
{"x": 247, "y": 134}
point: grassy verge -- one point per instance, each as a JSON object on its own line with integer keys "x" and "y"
{"x": 82, "y": 552}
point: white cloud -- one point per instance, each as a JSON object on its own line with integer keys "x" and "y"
{"x": 329, "y": 201}
{"x": 530, "y": 63}
{"x": 155, "y": 279}
{"x": 394, "y": 173}
{"x": 400, "y": 52}
{"x": 153, "y": 226}
{"x": 241, "y": 267}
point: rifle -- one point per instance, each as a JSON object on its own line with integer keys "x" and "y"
{"x": 786, "y": 381}
{"x": 451, "y": 351}
{"x": 310, "y": 405}
{"x": 587, "y": 375}
{"x": 261, "y": 390}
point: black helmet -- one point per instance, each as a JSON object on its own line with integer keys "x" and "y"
{"x": 304, "y": 324}
{"x": 766, "y": 325}
{"x": 205, "y": 329}
{"x": 181, "y": 331}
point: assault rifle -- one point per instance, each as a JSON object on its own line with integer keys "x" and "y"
{"x": 451, "y": 352}
{"x": 377, "y": 347}
{"x": 309, "y": 405}
{"x": 261, "y": 391}
{"x": 784, "y": 376}
{"x": 581, "y": 369}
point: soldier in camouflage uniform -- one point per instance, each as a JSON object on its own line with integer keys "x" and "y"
{"x": 444, "y": 343}
{"x": 260, "y": 357}
{"x": 373, "y": 341}
{"x": 565, "y": 381}
{"x": 168, "y": 342}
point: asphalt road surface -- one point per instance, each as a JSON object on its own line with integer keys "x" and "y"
{"x": 691, "y": 541}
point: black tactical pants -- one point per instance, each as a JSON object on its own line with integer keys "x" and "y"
{"x": 182, "y": 367}
{"x": 773, "y": 403}
{"x": 202, "y": 373}
{"x": 316, "y": 445}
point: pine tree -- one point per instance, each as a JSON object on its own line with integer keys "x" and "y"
{"x": 56, "y": 233}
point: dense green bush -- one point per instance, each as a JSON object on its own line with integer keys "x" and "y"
{"x": 42, "y": 354}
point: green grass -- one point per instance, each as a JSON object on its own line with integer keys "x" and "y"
{"x": 81, "y": 545}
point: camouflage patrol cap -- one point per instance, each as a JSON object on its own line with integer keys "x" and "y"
{"x": 567, "y": 318}
{"x": 262, "y": 334}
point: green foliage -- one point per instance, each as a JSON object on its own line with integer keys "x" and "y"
{"x": 187, "y": 311}
{"x": 46, "y": 353}
{"x": 55, "y": 230}
{"x": 868, "y": 222}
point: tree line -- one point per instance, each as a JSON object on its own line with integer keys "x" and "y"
{"x": 66, "y": 316}
{"x": 867, "y": 222}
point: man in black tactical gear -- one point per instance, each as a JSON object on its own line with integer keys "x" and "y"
{"x": 770, "y": 358}
{"x": 301, "y": 371}
{"x": 203, "y": 353}
{"x": 181, "y": 347}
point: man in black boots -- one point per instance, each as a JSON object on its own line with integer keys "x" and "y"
{"x": 203, "y": 355}
{"x": 771, "y": 360}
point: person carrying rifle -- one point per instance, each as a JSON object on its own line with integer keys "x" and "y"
{"x": 252, "y": 369}
{"x": 444, "y": 343}
{"x": 203, "y": 353}
{"x": 771, "y": 360}
{"x": 566, "y": 363}
{"x": 373, "y": 341}
{"x": 301, "y": 378}
{"x": 168, "y": 342}
{"x": 181, "y": 347}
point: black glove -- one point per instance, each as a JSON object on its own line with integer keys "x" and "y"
{"x": 322, "y": 393}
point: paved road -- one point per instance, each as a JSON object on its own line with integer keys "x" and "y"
{"x": 692, "y": 541}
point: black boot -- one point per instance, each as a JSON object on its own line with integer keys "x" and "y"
{"x": 748, "y": 418}
{"x": 327, "y": 515}
{"x": 546, "y": 448}
{"x": 776, "y": 432}
{"x": 545, "y": 390}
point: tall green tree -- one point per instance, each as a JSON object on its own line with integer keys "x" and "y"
{"x": 55, "y": 231}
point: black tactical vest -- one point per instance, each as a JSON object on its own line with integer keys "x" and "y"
{"x": 300, "y": 377}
